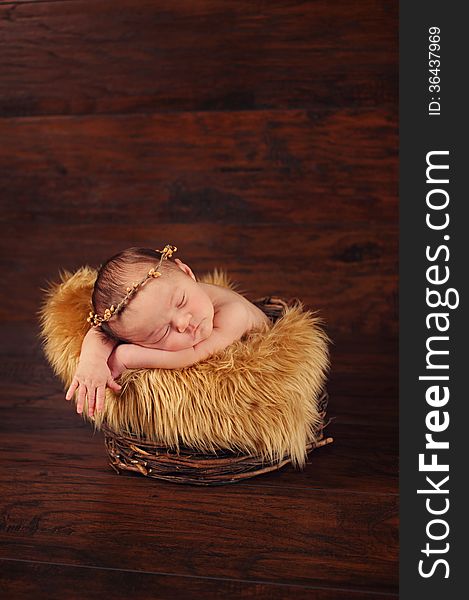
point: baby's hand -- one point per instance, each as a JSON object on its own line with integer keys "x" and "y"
{"x": 91, "y": 378}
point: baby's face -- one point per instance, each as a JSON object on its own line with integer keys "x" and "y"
{"x": 172, "y": 314}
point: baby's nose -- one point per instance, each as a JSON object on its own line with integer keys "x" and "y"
{"x": 183, "y": 323}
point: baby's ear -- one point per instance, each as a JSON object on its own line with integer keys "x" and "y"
{"x": 185, "y": 268}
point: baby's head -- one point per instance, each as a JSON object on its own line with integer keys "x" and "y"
{"x": 171, "y": 312}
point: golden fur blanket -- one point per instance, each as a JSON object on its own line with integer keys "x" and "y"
{"x": 258, "y": 396}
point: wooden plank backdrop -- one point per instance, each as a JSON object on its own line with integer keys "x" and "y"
{"x": 258, "y": 137}
{"x": 85, "y": 57}
{"x": 261, "y": 141}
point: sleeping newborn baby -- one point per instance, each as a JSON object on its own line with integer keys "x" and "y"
{"x": 167, "y": 319}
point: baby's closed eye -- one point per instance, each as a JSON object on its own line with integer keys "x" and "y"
{"x": 161, "y": 336}
{"x": 182, "y": 301}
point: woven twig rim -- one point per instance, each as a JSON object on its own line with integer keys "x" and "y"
{"x": 126, "y": 452}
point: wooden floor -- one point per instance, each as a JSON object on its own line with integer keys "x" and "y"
{"x": 72, "y": 528}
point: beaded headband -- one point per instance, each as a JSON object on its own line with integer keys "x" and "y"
{"x": 96, "y": 319}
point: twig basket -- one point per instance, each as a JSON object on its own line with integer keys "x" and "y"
{"x": 128, "y": 452}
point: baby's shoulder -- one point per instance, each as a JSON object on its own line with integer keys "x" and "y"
{"x": 225, "y": 299}
{"x": 229, "y": 309}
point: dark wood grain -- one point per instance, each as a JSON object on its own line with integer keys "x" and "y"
{"x": 277, "y": 534}
{"x": 26, "y": 580}
{"x": 268, "y": 167}
{"x": 211, "y": 55}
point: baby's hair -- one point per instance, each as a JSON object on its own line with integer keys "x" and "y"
{"x": 115, "y": 275}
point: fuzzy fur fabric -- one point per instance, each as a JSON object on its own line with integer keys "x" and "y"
{"x": 258, "y": 396}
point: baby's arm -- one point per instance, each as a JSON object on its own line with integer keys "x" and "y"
{"x": 138, "y": 357}
{"x": 92, "y": 373}
{"x": 96, "y": 345}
